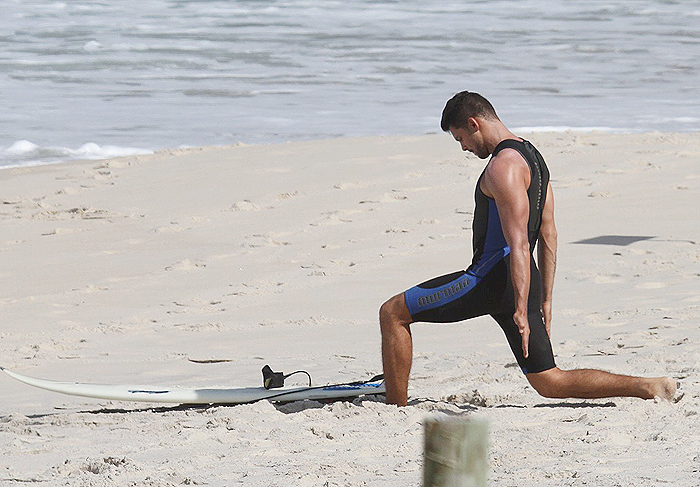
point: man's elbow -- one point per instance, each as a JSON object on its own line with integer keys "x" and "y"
{"x": 520, "y": 246}
{"x": 548, "y": 233}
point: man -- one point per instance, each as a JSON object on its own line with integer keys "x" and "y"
{"x": 514, "y": 211}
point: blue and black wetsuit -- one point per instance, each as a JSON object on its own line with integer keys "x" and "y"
{"x": 485, "y": 288}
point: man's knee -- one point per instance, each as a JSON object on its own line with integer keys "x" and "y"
{"x": 385, "y": 311}
{"x": 549, "y": 383}
{"x": 394, "y": 311}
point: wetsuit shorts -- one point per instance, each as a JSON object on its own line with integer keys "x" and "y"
{"x": 463, "y": 295}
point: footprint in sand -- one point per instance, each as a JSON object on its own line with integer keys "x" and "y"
{"x": 392, "y": 196}
{"x": 185, "y": 265}
{"x": 244, "y": 205}
{"x": 333, "y": 218}
{"x": 288, "y": 195}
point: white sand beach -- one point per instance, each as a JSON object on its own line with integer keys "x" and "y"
{"x": 197, "y": 267}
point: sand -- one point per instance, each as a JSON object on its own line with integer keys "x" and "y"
{"x": 197, "y": 267}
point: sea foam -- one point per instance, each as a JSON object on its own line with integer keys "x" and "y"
{"x": 27, "y": 153}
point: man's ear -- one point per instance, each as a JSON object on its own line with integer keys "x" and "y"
{"x": 472, "y": 125}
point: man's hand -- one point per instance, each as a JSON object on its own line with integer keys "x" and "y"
{"x": 547, "y": 314}
{"x": 524, "y": 328}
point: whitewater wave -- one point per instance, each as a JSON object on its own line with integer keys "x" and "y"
{"x": 26, "y": 153}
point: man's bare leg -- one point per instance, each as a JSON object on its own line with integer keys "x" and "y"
{"x": 397, "y": 348}
{"x": 592, "y": 384}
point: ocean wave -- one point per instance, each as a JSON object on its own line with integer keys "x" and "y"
{"x": 562, "y": 129}
{"x": 27, "y": 153}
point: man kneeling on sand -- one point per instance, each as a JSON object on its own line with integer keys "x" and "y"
{"x": 514, "y": 214}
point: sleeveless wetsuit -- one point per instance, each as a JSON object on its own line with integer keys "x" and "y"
{"x": 485, "y": 287}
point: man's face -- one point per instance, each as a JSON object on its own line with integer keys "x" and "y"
{"x": 470, "y": 139}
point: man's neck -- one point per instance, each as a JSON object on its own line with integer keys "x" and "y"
{"x": 495, "y": 132}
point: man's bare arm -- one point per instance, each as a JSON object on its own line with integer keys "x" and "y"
{"x": 506, "y": 180}
{"x": 547, "y": 256}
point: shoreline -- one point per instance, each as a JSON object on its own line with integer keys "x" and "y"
{"x": 94, "y": 150}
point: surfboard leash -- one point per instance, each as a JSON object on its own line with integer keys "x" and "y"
{"x": 273, "y": 380}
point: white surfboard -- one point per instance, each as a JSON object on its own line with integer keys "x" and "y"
{"x": 183, "y": 395}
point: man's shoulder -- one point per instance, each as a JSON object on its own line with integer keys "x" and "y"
{"x": 507, "y": 161}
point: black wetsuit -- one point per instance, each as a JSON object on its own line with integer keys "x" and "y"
{"x": 485, "y": 288}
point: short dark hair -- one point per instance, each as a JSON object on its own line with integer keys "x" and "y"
{"x": 464, "y": 105}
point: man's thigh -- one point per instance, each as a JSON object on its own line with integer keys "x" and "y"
{"x": 447, "y": 299}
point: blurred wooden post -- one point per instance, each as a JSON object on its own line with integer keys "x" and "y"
{"x": 456, "y": 452}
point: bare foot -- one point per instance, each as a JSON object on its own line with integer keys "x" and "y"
{"x": 665, "y": 388}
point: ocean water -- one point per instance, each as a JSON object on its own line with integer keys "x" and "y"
{"x": 92, "y": 79}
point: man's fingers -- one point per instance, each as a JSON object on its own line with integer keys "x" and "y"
{"x": 520, "y": 320}
{"x": 547, "y": 315}
{"x": 525, "y": 332}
